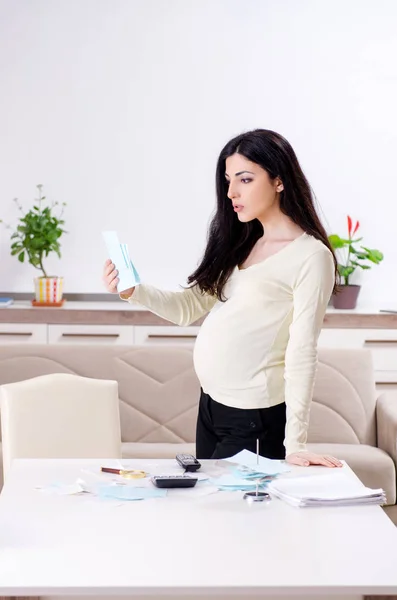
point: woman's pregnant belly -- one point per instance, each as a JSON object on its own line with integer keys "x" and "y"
{"x": 233, "y": 346}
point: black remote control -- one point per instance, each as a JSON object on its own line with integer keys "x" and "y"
{"x": 174, "y": 481}
{"x": 188, "y": 462}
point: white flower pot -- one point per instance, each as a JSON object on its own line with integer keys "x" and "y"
{"x": 48, "y": 290}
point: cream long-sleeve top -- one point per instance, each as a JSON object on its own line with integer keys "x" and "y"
{"x": 259, "y": 347}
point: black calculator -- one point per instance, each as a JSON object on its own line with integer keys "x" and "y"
{"x": 174, "y": 481}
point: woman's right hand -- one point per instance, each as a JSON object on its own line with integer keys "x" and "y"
{"x": 111, "y": 280}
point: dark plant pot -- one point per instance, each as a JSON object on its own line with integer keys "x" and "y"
{"x": 346, "y": 297}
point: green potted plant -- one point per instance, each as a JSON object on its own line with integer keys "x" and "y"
{"x": 38, "y": 234}
{"x": 352, "y": 257}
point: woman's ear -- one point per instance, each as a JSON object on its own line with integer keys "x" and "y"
{"x": 279, "y": 185}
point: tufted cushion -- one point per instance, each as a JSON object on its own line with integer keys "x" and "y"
{"x": 159, "y": 390}
{"x": 158, "y": 387}
{"x": 344, "y": 398}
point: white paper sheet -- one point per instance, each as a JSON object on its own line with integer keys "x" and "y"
{"x": 118, "y": 254}
{"x": 264, "y": 465}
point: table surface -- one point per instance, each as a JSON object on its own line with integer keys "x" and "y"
{"x": 181, "y": 545}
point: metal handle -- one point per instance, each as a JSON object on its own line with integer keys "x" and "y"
{"x": 92, "y": 335}
{"x": 16, "y": 333}
{"x": 171, "y": 336}
{"x": 380, "y": 342}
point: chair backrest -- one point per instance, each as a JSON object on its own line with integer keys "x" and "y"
{"x": 60, "y": 416}
{"x": 344, "y": 398}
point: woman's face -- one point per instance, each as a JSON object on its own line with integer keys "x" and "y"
{"x": 253, "y": 194}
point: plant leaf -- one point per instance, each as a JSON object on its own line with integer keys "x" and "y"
{"x": 345, "y": 271}
{"x": 336, "y": 241}
{"x": 373, "y": 255}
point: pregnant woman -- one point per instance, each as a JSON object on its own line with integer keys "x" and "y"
{"x": 264, "y": 280}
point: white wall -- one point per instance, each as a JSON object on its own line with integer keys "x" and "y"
{"x": 120, "y": 108}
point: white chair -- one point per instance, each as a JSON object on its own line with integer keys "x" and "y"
{"x": 60, "y": 416}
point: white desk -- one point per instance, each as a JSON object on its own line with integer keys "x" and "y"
{"x": 217, "y": 546}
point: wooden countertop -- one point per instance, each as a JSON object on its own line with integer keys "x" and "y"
{"x": 121, "y": 313}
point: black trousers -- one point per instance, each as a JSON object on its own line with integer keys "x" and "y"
{"x": 223, "y": 431}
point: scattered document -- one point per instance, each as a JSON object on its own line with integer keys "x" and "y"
{"x": 128, "y": 492}
{"x": 332, "y": 489}
{"x": 118, "y": 254}
{"x": 231, "y": 483}
{"x": 62, "y": 489}
{"x": 260, "y": 464}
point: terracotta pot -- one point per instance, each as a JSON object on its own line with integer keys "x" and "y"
{"x": 48, "y": 290}
{"x": 346, "y": 297}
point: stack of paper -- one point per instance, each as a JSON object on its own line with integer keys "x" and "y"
{"x": 332, "y": 489}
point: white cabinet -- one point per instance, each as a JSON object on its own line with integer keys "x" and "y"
{"x": 21, "y": 333}
{"x": 91, "y": 334}
{"x": 162, "y": 335}
{"x": 381, "y": 342}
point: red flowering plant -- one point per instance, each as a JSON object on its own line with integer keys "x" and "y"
{"x": 353, "y": 257}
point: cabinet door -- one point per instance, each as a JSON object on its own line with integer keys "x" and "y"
{"x": 21, "y": 333}
{"x": 91, "y": 334}
{"x": 342, "y": 338}
{"x": 164, "y": 335}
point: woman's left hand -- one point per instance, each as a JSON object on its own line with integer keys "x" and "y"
{"x": 304, "y": 459}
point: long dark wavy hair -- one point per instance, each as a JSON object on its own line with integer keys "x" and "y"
{"x": 229, "y": 242}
